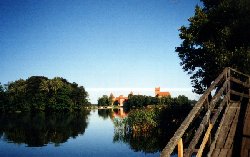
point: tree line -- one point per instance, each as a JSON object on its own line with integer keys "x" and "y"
{"x": 38, "y": 93}
{"x": 140, "y": 101}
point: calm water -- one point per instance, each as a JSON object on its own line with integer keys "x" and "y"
{"x": 88, "y": 134}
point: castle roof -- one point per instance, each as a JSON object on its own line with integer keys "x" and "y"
{"x": 163, "y": 94}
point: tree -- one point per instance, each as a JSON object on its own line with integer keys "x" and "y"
{"x": 39, "y": 93}
{"x": 116, "y": 103}
{"x": 218, "y": 36}
{"x": 111, "y": 98}
{"x": 182, "y": 101}
{"x": 44, "y": 86}
{"x": 2, "y": 98}
{"x": 17, "y": 95}
{"x": 103, "y": 101}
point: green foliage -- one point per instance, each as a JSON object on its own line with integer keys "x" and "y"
{"x": 39, "y": 93}
{"x": 141, "y": 101}
{"x": 2, "y": 98}
{"x": 149, "y": 130}
{"x": 103, "y": 101}
{"x": 218, "y": 36}
{"x": 148, "y": 120}
{"x": 111, "y": 99}
{"x": 116, "y": 103}
{"x": 151, "y": 119}
{"x": 142, "y": 120}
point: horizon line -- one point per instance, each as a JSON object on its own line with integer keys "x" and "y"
{"x": 137, "y": 89}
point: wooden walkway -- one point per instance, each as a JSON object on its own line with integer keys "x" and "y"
{"x": 219, "y": 123}
{"x": 224, "y": 145}
{"x": 245, "y": 142}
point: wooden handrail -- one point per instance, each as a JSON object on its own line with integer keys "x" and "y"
{"x": 226, "y": 88}
{"x": 166, "y": 152}
{"x": 245, "y": 84}
{"x": 205, "y": 120}
{"x": 239, "y": 72}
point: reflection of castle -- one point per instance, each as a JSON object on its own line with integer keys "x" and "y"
{"x": 160, "y": 94}
{"x": 120, "y": 113}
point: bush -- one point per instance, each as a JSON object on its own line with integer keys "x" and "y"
{"x": 143, "y": 120}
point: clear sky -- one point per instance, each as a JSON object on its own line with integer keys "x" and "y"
{"x": 104, "y": 45}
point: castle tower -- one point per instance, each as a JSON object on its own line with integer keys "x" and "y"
{"x": 157, "y": 90}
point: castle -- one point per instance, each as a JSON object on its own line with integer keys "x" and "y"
{"x": 121, "y": 99}
{"x": 160, "y": 94}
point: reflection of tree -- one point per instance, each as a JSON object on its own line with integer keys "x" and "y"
{"x": 105, "y": 113}
{"x": 150, "y": 142}
{"x": 39, "y": 129}
{"x": 154, "y": 140}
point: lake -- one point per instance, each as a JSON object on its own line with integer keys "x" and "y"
{"x": 86, "y": 134}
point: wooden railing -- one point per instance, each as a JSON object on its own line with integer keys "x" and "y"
{"x": 208, "y": 111}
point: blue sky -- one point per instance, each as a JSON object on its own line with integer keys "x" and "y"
{"x": 104, "y": 45}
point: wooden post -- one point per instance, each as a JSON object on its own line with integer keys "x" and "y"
{"x": 207, "y": 104}
{"x": 249, "y": 87}
{"x": 229, "y": 84}
{"x": 180, "y": 148}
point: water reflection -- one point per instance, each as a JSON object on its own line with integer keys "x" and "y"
{"x": 150, "y": 142}
{"x": 105, "y": 113}
{"x": 153, "y": 141}
{"x": 147, "y": 142}
{"x": 39, "y": 129}
{"x": 112, "y": 113}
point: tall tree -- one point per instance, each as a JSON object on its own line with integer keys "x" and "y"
{"x": 2, "y": 98}
{"x": 103, "y": 101}
{"x": 218, "y": 36}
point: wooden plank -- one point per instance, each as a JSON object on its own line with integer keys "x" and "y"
{"x": 239, "y": 94}
{"x": 230, "y": 138}
{"x": 245, "y": 145}
{"x": 221, "y": 106}
{"x": 230, "y": 152}
{"x": 225, "y": 128}
{"x": 245, "y": 84}
{"x": 205, "y": 139}
{"x": 205, "y": 119}
{"x": 216, "y": 153}
{"x": 239, "y": 72}
{"x": 223, "y": 152}
{"x": 212, "y": 146}
{"x": 244, "y": 153}
{"x": 197, "y": 135}
{"x": 246, "y": 129}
